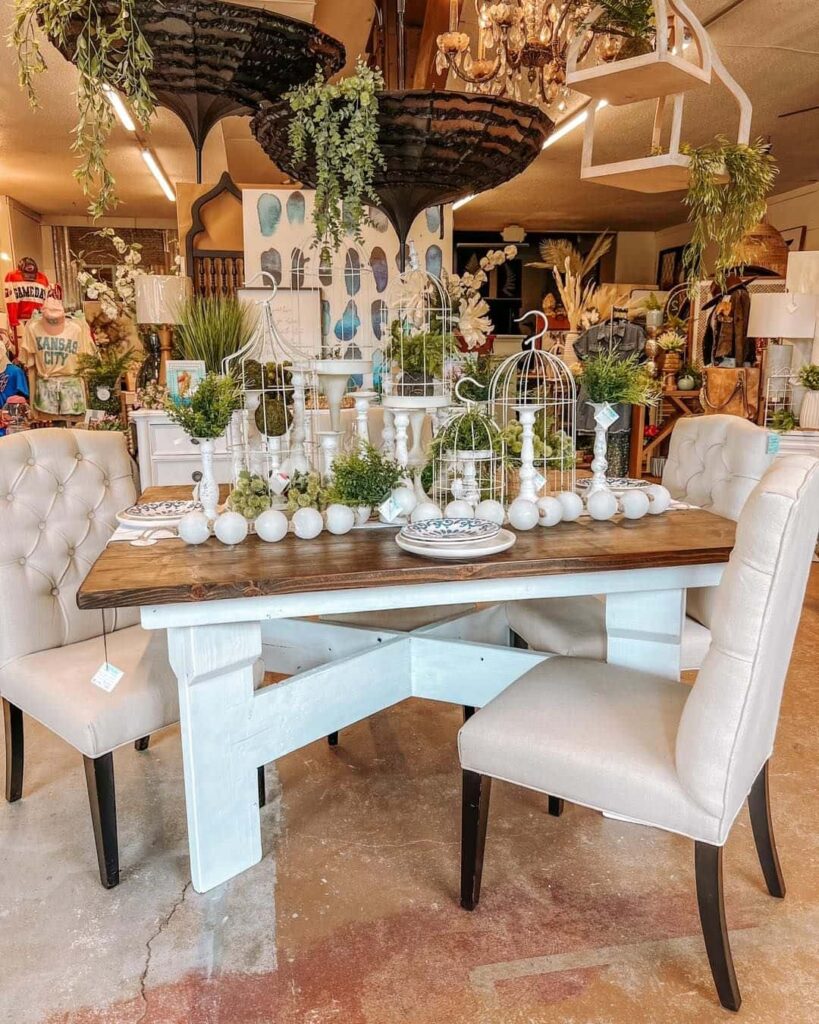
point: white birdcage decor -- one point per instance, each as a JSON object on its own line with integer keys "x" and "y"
{"x": 418, "y": 348}
{"x": 533, "y": 398}
{"x": 468, "y": 456}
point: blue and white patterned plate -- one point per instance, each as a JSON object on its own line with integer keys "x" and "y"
{"x": 157, "y": 513}
{"x": 617, "y": 484}
{"x": 447, "y": 531}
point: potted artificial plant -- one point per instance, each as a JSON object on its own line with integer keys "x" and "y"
{"x": 363, "y": 479}
{"x": 654, "y": 311}
{"x": 211, "y": 329}
{"x": 672, "y": 346}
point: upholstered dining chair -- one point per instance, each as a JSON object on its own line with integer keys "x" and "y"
{"x": 661, "y": 753}
{"x": 60, "y": 491}
{"x": 714, "y": 462}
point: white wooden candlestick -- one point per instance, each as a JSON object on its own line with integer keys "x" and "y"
{"x": 298, "y": 460}
{"x": 599, "y": 464}
{"x": 329, "y": 441}
{"x": 208, "y": 487}
{"x": 526, "y": 415}
{"x": 416, "y": 454}
{"x": 388, "y": 434}
{"x": 402, "y": 419}
{"x": 362, "y": 409}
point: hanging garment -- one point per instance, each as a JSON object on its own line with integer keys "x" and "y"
{"x": 13, "y": 384}
{"x": 726, "y": 335}
{"x": 55, "y": 354}
{"x": 23, "y": 298}
{"x": 623, "y": 338}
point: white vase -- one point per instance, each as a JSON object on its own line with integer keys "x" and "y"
{"x": 208, "y": 487}
{"x": 362, "y": 514}
{"x": 809, "y": 412}
{"x": 599, "y": 462}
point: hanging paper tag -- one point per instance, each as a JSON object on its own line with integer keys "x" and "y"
{"x": 606, "y": 416}
{"x": 773, "y": 444}
{"x": 390, "y": 511}
{"x": 279, "y": 483}
{"x": 457, "y": 488}
{"x": 538, "y": 481}
{"x": 107, "y": 676}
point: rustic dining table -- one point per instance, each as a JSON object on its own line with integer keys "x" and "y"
{"x": 224, "y": 608}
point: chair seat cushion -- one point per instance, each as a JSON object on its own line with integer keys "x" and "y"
{"x": 576, "y": 627}
{"x": 594, "y": 734}
{"x": 402, "y": 620}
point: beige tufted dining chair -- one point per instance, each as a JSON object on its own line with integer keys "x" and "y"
{"x": 60, "y": 491}
{"x": 660, "y": 753}
{"x": 714, "y": 462}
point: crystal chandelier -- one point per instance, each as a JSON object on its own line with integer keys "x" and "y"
{"x": 521, "y": 48}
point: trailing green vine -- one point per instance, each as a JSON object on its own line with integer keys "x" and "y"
{"x": 110, "y": 50}
{"x": 337, "y": 124}
{"x": 724, "y": 212}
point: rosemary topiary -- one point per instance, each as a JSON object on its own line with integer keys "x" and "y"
{"x": 364, "y": 477}
{"x": 607, "y": 377}
{"x": 210, "y": 409}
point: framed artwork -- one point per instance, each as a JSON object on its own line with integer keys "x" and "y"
{"x": 296, "y": 316}
{"x": 183, "y": 378}
{"x": 795, "y": 238}
{"x": 670, "y": 270}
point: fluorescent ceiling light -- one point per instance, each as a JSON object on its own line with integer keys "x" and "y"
{"x": 159, "y": 174}
{"x": 570, "y": 125}
{"x": 462, "y": 202}
{"x": 120, "y": 109}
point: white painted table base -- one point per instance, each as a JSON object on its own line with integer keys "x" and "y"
{"x": 228, "y": 729}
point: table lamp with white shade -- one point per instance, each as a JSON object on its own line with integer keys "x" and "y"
{"x": 777, "y": 316}
{"x": 803, "y": 279}
{"x": 160, "y": 299}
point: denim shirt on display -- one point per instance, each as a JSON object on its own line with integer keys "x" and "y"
{"x": 624, "y": 338}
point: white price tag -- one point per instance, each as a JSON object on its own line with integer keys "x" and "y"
{"x": 279, "y": 483}
{"x": 390, "y": 511}
{"x": 606, "y": 416}
{"x": 107, "y": 676}
{"x": 773, "y": 444}
{"x": 538, "y": 481}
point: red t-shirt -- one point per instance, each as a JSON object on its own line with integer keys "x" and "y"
{"x": 23, "y": 297}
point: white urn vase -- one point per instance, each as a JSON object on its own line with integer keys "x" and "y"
{"x": 809, "y": 411}
{"x": 208, "y": 487}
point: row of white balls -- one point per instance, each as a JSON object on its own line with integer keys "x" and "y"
{"x": 271, "y": 526}
{"x": 565, "y": 507}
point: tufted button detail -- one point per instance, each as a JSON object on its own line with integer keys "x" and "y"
{"x": 106, "y": 482}
{"x": 71, "y": 552}
{"x": 90, "y": 515}
{"x": 41, "y": 526}
{"x": 9, "y": 497}
{"x": 22, "y": 561}
{"x": 55, "y": 591}
{"x": 30, "y": 462}
{"x": 60, "y": 489}
{"x": 79, "y": 457}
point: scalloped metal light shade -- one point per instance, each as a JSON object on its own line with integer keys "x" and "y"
{"x": 437, "y": 146}
{"x": 216, "y": 59}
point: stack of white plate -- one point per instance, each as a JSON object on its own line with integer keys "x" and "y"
{"x": 156, "y": 515}
{"x": 462, "y": 539}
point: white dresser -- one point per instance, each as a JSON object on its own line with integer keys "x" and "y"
{"x": 166, "y": 454}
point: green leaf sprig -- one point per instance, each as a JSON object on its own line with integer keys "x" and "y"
{"x": 210, "y": 409}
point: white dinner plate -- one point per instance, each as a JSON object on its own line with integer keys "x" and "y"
{"x": 155, "y": 514}
{"x": 450, "y": 531}
{"x": 464, "y": 550}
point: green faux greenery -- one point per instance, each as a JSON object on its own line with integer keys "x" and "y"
{"x": 210, "y": 409}
{"x": 809, "y": 376}
{"x": 671, "y": 342}
{"x": 251, "y": 495}
{"x": 210, "y": 329}
{"x": 631, "y": 19}
{"x": 479, "y": 369}
{"x": 337, "y": 124}
{"x": 783, "y": 420}
{"x": 270, "y": 377}
{"x": 420, "y": 352}
{"x": 104, "y": 368}
{"x": 471, "y": 431}
{"x": 724, "y": 213}
{"x": 553, "y": 448}
{"x": 651, "y": 302}
{"x": 694, "y": 372}
{"x": 306, "y": 491}
{"x": 271, "y": 417}
{"x": 607, "y": 377}
{"x": 109, "y": 51}
{"x": 364, "y": 477}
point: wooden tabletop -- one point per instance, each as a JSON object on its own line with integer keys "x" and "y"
{"x": 171, "y": 572}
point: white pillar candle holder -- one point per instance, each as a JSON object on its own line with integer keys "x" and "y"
{"x": 526, "y": 415}
{"x": 471, "y": 491}
{"x": 402, "y": 421}
{"x": 329, "y": 441}
{"x": 363, "y": 399}
{"x": 334, "y": 386}
{"x": 599, "y": 465}
{"x": 298, "y": 461}
{"x": 388, "y": 434}
{"x": 208, "y": 487}
{"x": 416, "y": 455}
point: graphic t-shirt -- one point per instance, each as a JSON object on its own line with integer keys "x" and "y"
{"x": 13, "y": 383}
{"x": 55, "y": 355}
{"x": 23, "y": 297}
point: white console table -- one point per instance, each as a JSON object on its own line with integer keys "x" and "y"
{"x": 166, "y": 454}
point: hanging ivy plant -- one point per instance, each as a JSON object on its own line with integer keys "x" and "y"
{"x": 723, "y": 212}
{"x": 336, "y": 124}
{"x": 110, "y": 50}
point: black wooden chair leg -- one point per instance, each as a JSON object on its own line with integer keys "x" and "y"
{"x": 708, "y": 868}
{"x": 474, "y": 819}
{"x": 13, "y": 723}
{"x": 260, "y": 781}
{"x": 99, "y": 777}
{"x": 759, "y": 804}
{"x": 517, "y": 641}
{"x": 332, "y": 739}
{"x": 555, "y": 806}
{"x": 142, "y": 744}
{"x": 468, "y": 712}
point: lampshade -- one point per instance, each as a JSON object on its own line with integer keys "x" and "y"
{"x": 803, "y": 273}
{"x": 782, "y": 315}
{"x": 160, "y": 298}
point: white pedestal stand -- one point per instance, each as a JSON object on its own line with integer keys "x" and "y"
{"x": 362, "y": 409}
{"x": 526, "y": 415}
{"x": 329, "y": 440}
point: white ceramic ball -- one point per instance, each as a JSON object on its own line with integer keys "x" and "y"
{"x": 194, "y": 528}
{"x": 340, "y": 519}
{"x": 523, "y": 514}
{"x": 272, "y": 526}
{"x": 459, "y": 510}
{"x": 571, "y": 504}
{"x": 230, "y": 528}
{"x": 492, "y": 511}
{"x": 424, "y": 511}
{"x": 659, "y": 499}
{"x": 602, "y": 505}
{"x": 634, "y": 504}
{"x": 307, "y": 523}
{"x": 404, "y": 498}
{"x": 551, "y": 511}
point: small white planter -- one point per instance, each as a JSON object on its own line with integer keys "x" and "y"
{"x": 809, "y": 413}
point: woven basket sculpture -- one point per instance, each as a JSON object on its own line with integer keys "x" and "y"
{"x": 437, "y": 146}
{"x": 216, "y": 59}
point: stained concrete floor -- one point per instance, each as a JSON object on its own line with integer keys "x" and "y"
{"x": 351, "y": 917}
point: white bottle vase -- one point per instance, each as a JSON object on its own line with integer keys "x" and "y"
{"x": 208, "y": 487}
{"x": 599, "y": 464}
{"x": 809, "y": 412}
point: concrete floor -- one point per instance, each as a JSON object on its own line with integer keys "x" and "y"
{"x": 352, "y": 916}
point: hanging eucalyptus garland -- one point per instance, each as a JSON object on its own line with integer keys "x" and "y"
{"x": 112, "y": 51}
{"x": 336, "y": 124}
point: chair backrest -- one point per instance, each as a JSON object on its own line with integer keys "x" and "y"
{"x": 60, "y": 491}
{"x": 727, "y": 728}
{"x": 715, "y": 462}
